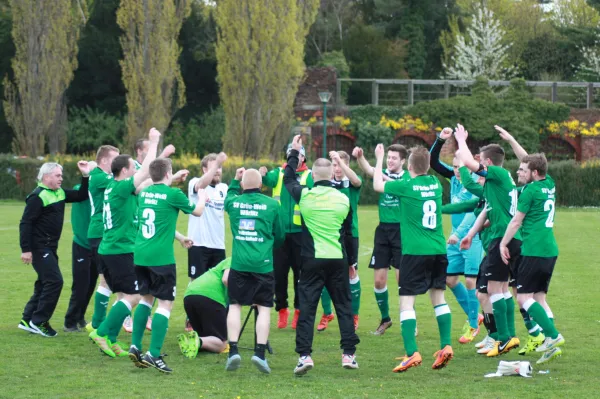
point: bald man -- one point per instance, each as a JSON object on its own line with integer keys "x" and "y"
{"x": 256, "y": 229}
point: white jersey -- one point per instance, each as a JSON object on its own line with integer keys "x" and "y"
{"x": 208, "y": 230}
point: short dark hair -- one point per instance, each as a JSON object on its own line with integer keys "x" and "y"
{"x": 400, "y": 149}
{"x": 103, "y": 152}
{"x": 159, "y": 168}
{"x": 208, "y": 158}
{"x": 419, "y": 159}
{"x": 493, "y": 152}
{"x": 139, "y": 145}
{"x": 536, "y": 162}
{"x": 120, "y": 162}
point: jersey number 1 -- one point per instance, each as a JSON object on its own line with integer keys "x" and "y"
{"x": 429, "y": 215}
{"x": 107, "y": 215}
{"x": 148, "y": 228}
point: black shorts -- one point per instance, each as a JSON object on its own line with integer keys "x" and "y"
{"x": 535, "y": 274}
{"x": 351, "y": 246}
{"x": 200, "y": 259}
{"x": 158, "y": 281}
{"x": 119, "y": 273}
{"x": 387, "y": 250}
{"x": 419, "y": 273}
{"x": 246, "y": 288}
{"x": 94, "y": 245}
{"x": 482, "y": 279}
{"x": 207, "y": 317}
{"x": 497, "y": 270}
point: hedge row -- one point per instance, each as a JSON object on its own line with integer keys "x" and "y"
{"x": 577, "y": 185}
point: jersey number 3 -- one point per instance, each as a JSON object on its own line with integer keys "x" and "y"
{"x": 429, "y": 215}
{"x": 148, "y": 228}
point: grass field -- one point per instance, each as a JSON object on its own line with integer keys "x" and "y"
{"x": 71, "y": 366}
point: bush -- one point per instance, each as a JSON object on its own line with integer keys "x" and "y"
{"x": 337, "y": 60}
{"x": 89, "y": 129}
{"x": 364, "y": 123}
{"x": 200, "y": 136}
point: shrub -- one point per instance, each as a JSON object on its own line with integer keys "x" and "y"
{"x": 201, "y": 135}
{"x": 89, "y": 129}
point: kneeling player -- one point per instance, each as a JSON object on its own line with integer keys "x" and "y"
{"x": 424, "y": 261}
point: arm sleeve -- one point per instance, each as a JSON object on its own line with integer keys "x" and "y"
{"x": 395, "y": 187}
{"x": 525, "y": 200}
{"x": 180, "y": 201}
{"x": 460, "y": 207}
{"x": 78, "y": 195}
{"x": 435, "y": 163}
{"x": 192, "y": 187}
{"x": 289, "y": 177}
{"x": 232, "y": 192}
{"x": 33, "y": 210}
{"x": 465, "y": 225}
{"x": 270, "y": 179}
{"x": 468, "y": 183}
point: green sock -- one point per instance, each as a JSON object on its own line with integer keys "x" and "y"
{"x": 444, "y": 320}
{"x": 100, "y": 305}
{"x": 326, "y": 302}
{"x": 160, "y": 325}
{"x": 510, "y": 314}
{"x": 381, "y": 296}
{"x": 408, "y": 321}
{"x": 355, "y": 292}
{"x": 112, "y": 325}
{"x": 499, "y": 308}
{"x": 140, "y": 317}
{"x": 530, "y": 324}
{"x": 539, "y": 314}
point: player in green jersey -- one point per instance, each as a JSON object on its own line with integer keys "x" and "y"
{"x": 387, "y": 246}
{"x": 350, "y": 184}
{"x": 535, "y": 219}
{"x": 424, "y": 261}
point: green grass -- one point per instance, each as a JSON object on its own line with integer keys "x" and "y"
{"x": 71, "y": 366}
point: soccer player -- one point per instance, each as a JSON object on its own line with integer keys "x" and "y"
{"x": 256, "y": 228}
{"x": 100, "y": 177}
{"x": 501, "y": 197}
{"x": 323, "y": 260}
{"x": 350, "y": 184}
{"x": 460, "y": 262}
{"x": 535, "y": 219}
{"x": 424, "y": 262}
{"x": 39, "y": 231}
{"x": 387, "y": 246}
{"x": 205, "y": 303}
{"x": 288, "y": 255}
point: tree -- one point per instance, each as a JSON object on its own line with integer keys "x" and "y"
{"x": 45, "y": 37}
{"x": 151, "y": 74}
{"x": 481, "y": 51}
{"x": 7, "y": 52}
{"x": 260, "y": 64}
{"x": 590, "y": 67}
{"x": 575, "y": 13}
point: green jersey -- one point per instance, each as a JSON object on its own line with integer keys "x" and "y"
{"x": 80, "y": 221}
{"x": 210, "y": 284}
{"x": 118, "y": 214}
{"x": 422, "y": 232}
{"x": 501, "y": 196}
{"x": 537, "y": 202}
{"x": 256, "y": 227}
{"x": 159, "y": 207}
{"x": 389, "y": 205}
{"x": 353, "y": 194}
{"x": 99, "y": 180}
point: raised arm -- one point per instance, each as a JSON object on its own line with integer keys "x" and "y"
{"x": 434, "y": 162}
{"x": 289, "y": 175}
{"x": 271, "y": 178}
{"x": 144, "y": 172}
{"x": 205, "y": 180}
{"x": 362, "y": 161}
{"x": 81, "y": 194}
{"x": 464, "y": 154}
{"x": 350, "y": 174}
{"x": 378, "y": 183}
{"x": 234, "y": 188}
{"x": 516, "y": 147}
{"x": 468, "y": 183}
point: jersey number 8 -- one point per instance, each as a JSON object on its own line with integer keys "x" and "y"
{"x": 429, "y": 215}
{"x": 148, "y": 228}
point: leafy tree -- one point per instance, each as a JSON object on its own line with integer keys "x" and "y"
{"x": 7, "y": 52}
{"x": 337, "y": 60}
{"x": 550, "y": 57}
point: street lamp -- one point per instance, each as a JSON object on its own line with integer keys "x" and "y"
{"x": 325, "y": 96}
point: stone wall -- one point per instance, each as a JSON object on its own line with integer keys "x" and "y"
{"x": 316, "y": 79}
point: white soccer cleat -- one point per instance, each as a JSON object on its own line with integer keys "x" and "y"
{"x": 305, "y": 363}
{"x": 128, "y": 324}
{"x": 483, "y": 342}
{"x": 349, "y": 362}
{"x": 489, "y": 345}
{"x": 550, "y": 343}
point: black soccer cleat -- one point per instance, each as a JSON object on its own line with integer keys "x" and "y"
{"x": 156, "y": 362}
{"x": 136, "y": 357}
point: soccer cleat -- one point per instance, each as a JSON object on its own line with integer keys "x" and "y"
{"x": 325, "y": 319}
{"x": 128, "y": 324}
{"x": 182, "y": 341}
{"x": 483, "y": 342}
{"x": 118, "y": 349}
{"x": 89, "y": 328}
{"x": 469, "y": 335}
{"x": 501, "y": 348}
{"x": 355, "y": 322}
{"x": 487, "y": 348}
{"x": 193, "y": 344}
{"x": 549, "y": 355}
{"x": 136, "y": 357}
{"x": 24, "y": 325}
{"x": 442, "y": 357}
{"x": 295, "y": 319}
{"x": 408, "y": 362}
{"x": 149, "y": 325}
{"x": 384, "y": 325}
{"x": 71, "y": 329}
{"x": 305, "y": 363}
{"x": 188, "y": 326}
{"x": 550, "y": 343}
{"x": 532, "y": 343}
{"x": 233, "y": 362}
{"x": 103, "y": 343}
{"x": 349, "y": 362}
{"x": 156, "y": 362}
{"x": 226, "y": 350}
{"x": 282, "y": 318}
{"x": 44, "y": 329}
{"x": 261, "y": 364}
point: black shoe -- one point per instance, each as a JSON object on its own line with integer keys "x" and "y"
{"x": 136, "y": 357}
{"x": 44, "y": 329}
{"x": 156, "y": 362}
{"x": 81, "y": 324}
{"x": 69, "y": 329}
{"x": 25, "y": 326}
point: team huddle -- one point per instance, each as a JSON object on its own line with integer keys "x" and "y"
{"x": 124, "y": 219}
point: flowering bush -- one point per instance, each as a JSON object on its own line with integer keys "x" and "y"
{"x": 572, "y": 128}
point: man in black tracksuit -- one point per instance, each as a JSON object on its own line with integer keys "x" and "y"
{"x": 40, "y": 229}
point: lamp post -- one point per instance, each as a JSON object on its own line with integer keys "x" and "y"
{"x": 325, "y": 96}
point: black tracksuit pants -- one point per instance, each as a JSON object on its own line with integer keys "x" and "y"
{"x": 333, "y": 274}
{"x": 285, "y": 258}
{"x": 47, "y": 287}
{"x": 85, "y": 276}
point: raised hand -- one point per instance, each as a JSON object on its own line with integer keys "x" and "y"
{"x": 335, "y": 157}
{"x": 504, "y": 135}
{"x": 446, "y": 133}
{"x": 221, "y": 158}
{"x": 460, "y": 133}
{"x": 297, "y": 142}
{"x": 84, "y": 168}
{"x": 168, "y": 151}
{"x": 239, "y": 173}
{"x": 154, "y": 135}
{"x": 263, "y": 170}
{"x": 357, "y": 152}
{"x": 181, "y": 175}
{"x": 379, "y": 151}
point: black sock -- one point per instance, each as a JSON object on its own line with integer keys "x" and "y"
{"x": 385, "y": 320}
{"x": 491, "y": 323}
{"x": 233, "y": 348}
{"x": 524, "y": 315}
{"x": 259, "y": 351}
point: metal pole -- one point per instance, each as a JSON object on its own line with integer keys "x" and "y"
{"x": 325, "y": 130}
{"x": 590, "y": 96}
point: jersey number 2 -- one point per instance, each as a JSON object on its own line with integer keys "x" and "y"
{"x": 549, "y": 207}
{"x": 429, "y": 215}
{"x": 148, "y": 228}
